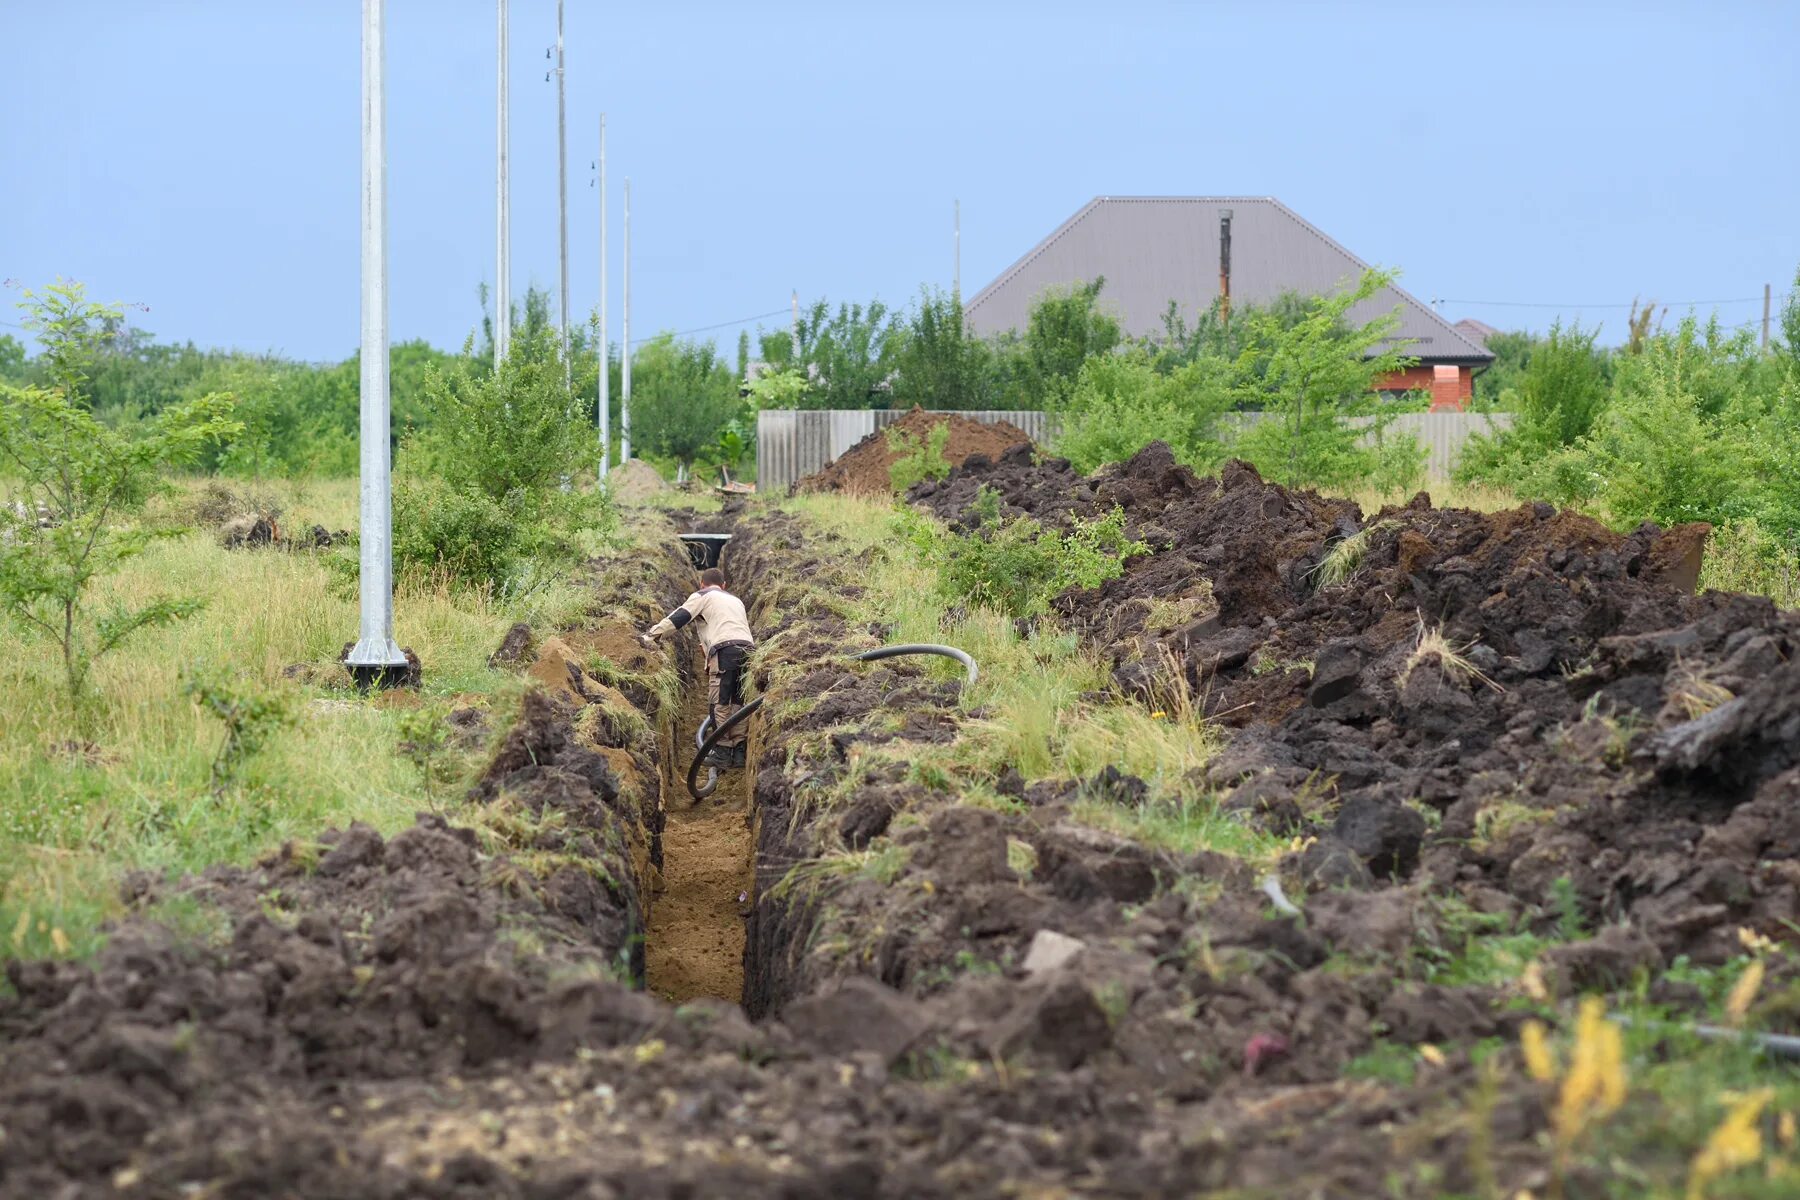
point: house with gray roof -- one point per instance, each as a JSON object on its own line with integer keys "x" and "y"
{"x": 1154, "y": 249}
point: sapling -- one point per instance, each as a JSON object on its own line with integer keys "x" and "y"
{"x": 250, "y": 717}
{"x": 77, "y": 482}
{"x": 424, "y": 733}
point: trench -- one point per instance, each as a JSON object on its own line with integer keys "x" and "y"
{"x": 695, "y": 935}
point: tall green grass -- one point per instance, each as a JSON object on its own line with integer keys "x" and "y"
{"x": 74, "y": 817}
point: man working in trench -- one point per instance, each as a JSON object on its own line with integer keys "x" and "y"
{"x": 726, "y": 638}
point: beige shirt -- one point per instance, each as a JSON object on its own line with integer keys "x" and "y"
{"x": 719, "y": 615}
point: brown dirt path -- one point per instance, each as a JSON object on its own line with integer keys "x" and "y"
{"x": 695, "y": 943}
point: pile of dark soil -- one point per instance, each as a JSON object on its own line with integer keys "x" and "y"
{"x": 1501, "y": 704}
{"x": 950, "y": 996}
{"x": 864, "y": 468}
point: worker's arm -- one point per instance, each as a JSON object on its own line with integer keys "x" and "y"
{"x": 676, "y": 619}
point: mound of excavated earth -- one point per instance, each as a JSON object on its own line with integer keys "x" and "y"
{"x": 1502, "y": 705}
{"x": 956, "y": 986}
{"x": 864, "y": 469}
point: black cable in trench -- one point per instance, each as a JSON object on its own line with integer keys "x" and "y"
{"x": 701, "y": 791}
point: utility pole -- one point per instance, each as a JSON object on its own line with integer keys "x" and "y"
{"x": 604, "y": 416}
{"x": 1225, "y": 268}
{"x": 503, "y": 268}
{"x": 794, "y": 328}
{"x": 956, "y": 277}
{"x": 1765, "y": 335}
{"x": 625, "y": 343}
{"x": 376, "y": 658}
{"x": 562, "y": 200}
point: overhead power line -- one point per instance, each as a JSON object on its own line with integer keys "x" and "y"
{"x": 780, "y": 312}
{"x": 1634, "y": 304}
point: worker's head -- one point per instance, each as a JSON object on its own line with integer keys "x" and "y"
{"x": 712, "y": 577}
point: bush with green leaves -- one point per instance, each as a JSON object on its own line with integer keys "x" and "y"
{"x": 1121, "y": 402}
{"x": 1018, "y": 566}
{"x": 920, "y": 459}
{"x": 250, "y": 716}
{"x": 484, "y": 493}
{"x": 79, "y": 486}
{"x": 1314, "y": 379}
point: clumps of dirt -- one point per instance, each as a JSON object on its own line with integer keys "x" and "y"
{"x": 514, "y": 649}
{"x": 865, "y": 468}
{"x": 635, "y": 479}
{"x": 1511, "y": 705}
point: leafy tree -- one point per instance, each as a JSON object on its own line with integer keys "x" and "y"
{"x": 1562, "y": 392}
{"x": 847, "y": 357}
{"x": 683, "y": 396}
{"x": 1067, "y": 327}
{"x": 78, "y": 483}
{"x": 1497, "y": 386}
{"x": 1315, "y": 379}
{"x": 12, "y": 358}
{"x": 940, "y": 364}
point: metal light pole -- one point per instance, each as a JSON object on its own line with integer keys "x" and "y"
{"x": 625, "y": 343}
{"x": 604, "y": 416}
{"x": 956, "y": 274}
{"x": 376, "y": 658}
{"x": 503, "y": 252}
{"x": 562, "y": 199}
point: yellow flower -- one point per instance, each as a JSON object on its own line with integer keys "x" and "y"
{"x": 1540, "y": 1060}
{"x": 650, "y": 1051}
{"x": 1595, "y": 1084}
{"x": 1431, "y": 1054}
{"x": 1743, "y": 992}
{"x": 1753, "y": 941}
{"x": 1532, "y": 980}
{"x": 1158, "y": 715}
{"x": 1737, "y": 1142}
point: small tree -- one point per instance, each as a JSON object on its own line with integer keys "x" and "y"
{"x": 250, "y": 718}
{"x": 939, "y": 364}
{"x": 1067, "y": 327}
{"x": 1315, "y": 380}
{"x": 78, "y": 482}
{"x": 684, "y": 395}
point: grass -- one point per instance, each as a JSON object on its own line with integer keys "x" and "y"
{"x": 1036, "y": 700}
{"x": 71, "y": 823}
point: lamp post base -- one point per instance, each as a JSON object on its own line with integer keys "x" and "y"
{"x": 380, "y": 666}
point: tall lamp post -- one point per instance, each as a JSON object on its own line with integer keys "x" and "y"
{"x": 375, "y": 659}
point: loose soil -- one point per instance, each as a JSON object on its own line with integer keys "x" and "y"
{"x": 865, "y": 468}
{"x": 944, "y": 998}
{"x": 695, "y": 943}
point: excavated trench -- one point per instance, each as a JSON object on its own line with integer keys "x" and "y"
{"x": 977, "y": 998}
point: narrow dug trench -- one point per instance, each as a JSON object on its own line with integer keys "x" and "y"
{"x": 695, "y": 941}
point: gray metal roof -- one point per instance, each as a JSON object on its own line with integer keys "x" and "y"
{"x": 1153, "y": 249}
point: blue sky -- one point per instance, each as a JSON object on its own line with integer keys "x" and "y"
{"x": 202, "y": 157}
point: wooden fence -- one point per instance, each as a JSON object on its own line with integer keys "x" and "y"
{"x": 793, "y": 443}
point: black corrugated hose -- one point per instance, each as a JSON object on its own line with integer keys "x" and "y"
{"x": 701, "y": 791}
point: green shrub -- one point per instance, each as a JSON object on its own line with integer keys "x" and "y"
{"x": 1019, "y": 567}
{"x": 1121, "y": 402}
{"x": 919, "y": 459}
{"x": 461, "y": 531}
{"x": 250, "y": 718}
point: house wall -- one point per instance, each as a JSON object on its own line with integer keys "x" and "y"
{"x": 1451, "y": 387}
